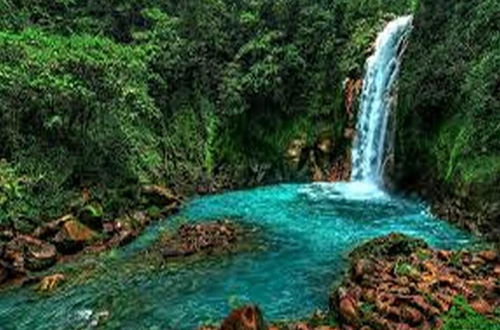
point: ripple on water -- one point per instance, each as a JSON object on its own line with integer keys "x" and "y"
{"x": 308, "y": 230}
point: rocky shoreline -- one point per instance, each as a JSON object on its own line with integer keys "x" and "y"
{"x": 472, "y": 209}
{"x": 24, "y": 256}
{"x": 398, "y": 282}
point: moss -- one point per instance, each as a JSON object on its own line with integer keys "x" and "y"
{"x": 462, "y": 317}
{"x": 391, "y": 245}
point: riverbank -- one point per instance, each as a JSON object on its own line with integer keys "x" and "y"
{"x": 398, "y": 282}
{"x": 24, "y": 255}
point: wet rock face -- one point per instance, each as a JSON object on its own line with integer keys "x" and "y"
{"x": 396, "y": 282}
{"x": 204, "y": 237}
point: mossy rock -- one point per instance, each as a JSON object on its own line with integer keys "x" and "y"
{"x": 388, "y": 246}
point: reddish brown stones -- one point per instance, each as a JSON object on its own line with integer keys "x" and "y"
{"x": 205, "y": 237}
{"x": 245, "y": 318}
{"x": 408, "y": 289}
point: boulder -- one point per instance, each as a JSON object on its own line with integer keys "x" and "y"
{"x": 49, "y": 283}
{"x": 488, "y": 255}
{"x": 29, "y": 253}
{"x": 244, "y": 318}
{"x": 73, "y": 236}
{"x": 481, "y": 306}
{"x": 346, "y": 304}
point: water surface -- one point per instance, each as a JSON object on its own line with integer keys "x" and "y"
{"x": 305, "y": 233}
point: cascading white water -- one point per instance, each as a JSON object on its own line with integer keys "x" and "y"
{"x": 381, "y": 72}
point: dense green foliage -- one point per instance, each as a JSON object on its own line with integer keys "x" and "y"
{"x": 109, "y": 94}
{"x": 449, "y": 113}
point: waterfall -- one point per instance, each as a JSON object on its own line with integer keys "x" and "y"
{"x": 380, "y": 74}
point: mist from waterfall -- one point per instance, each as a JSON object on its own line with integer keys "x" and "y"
{"x": 381, "y": 72}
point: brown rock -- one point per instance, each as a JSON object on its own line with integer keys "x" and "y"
{"x": 78, "y": 232}
{"x": 403, "y": 326}
{"x": 370, "y": 295}
{"x": 206, "y": 237}
{"x": 302, "y": 326}
{"x": 349, "y": 133}
{"x": 244, "y": 318}
{"x": 412, "y": 315}
{"x": 419, "y": 301}
{"x": 447, "y": 279}
{"x": 444, "y": 301}
{"x": 348, "y": 308}
{"x": 31, "y": 253}
{"x": 40, "y": 256}
{"x": 481, "y": 306}
{"x": 73, "y": 236}
{"x": 488, "y": 255}
{"x": 444, "y": 255}
{"x": 49, "y": 283}
{"x": 360, "y": 267}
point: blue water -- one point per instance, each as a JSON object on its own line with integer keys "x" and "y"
{"x": 304, "y": 233}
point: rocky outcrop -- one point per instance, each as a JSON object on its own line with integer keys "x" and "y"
{"x": 84, "y": 230}
{"x": 24, "y": 254}
{"x": 218, "y": 236}
{"x": 28, "y": 253}
{"x": 73, "y": 236}
{"x": 396, "y": 282}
